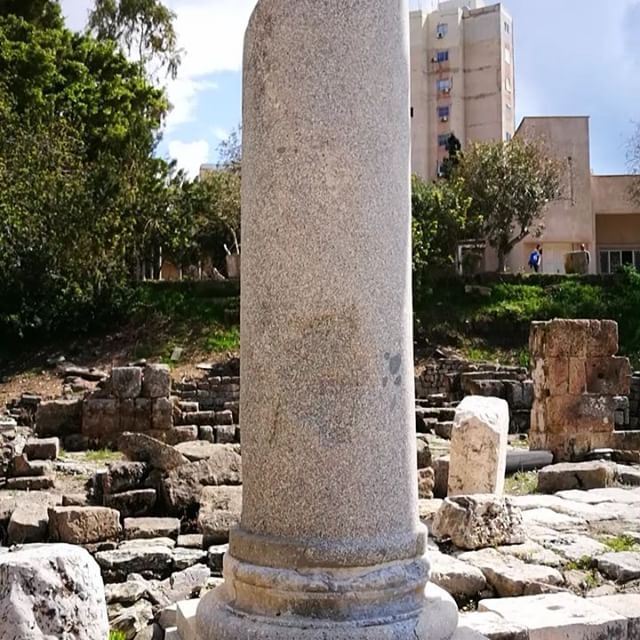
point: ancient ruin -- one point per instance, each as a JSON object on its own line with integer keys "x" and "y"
{"x": 580, "y": 389}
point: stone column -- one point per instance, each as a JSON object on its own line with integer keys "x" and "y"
{"x": 330, "y": 545}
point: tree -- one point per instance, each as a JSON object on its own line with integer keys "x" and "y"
{"x": 509, "y": 184}
{"x": 42, "y": 13}
{"x": 144, "y": 30}
{"x": 440, "y": 219}
{"x": 230, "y": 151}
{"x": 634, "y": 165}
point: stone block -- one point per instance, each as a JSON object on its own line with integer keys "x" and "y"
{"x": 607, "y": 375}
{"x": 22, "y": 467}
{"x": 136, "y": 528}
{"x": 441, "y": 477}
{"x": 186, "y": 619}
{"x": 602, "y": 338}
{"x": 184, "y": 433}
{"x": 626, "y": 605}
{"x": 458, "y": 578}
{"x": 493, "y": 626}
{"x": 83, "y": 525}
{"x": 132, "y": 504}
{"x": 124, "y": 476}
{"x": 567, "y": 338}
{"x": 206, "y": 433}
{"x": 578, "y": 475}
{"x": 479, "y": 521}
{"x": 559, "y": 615}
{"x": 59, "y": 417}
{"x": 126, "y": 382}
{"x": 156, "y": 381}
{"x": 161, "y": 414}
{"x": 29, "y": 523}
{"x": 557, "y": 375}
{"x": 216, "y": 557}
{"x": 225, "y": 434}
{"x": 42, "y": 448}
{"x": 479, "y": 446}
{"x": 100, "y": 418}
{"x": 622, "y": 566}
{"x": 220, "y": 509}
{"x": 143, "y": 448}
{"x": 33, "y": 483}
{"x": 152, "y": 562}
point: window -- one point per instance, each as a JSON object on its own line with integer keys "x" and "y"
{"x": 441, "y": 56}
{"x": 441, "y": 30}
{"x": 443, "y": 139}
{"x": 612, "y": 259}
{"x": 444, "y": 86}
{"x": 412, "y": 112}
{"x": 443, "y": 112}
{"x": 508, "y": 137}
{"x": 507, "y": 27}
{"x": 507, "y": 55}
{"x": 507, "y": 84}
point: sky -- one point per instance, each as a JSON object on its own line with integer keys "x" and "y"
{"x": 572, "y": 57}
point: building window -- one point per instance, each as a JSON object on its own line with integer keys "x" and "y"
{"x": 441, "y": 30}
{"x": 507, "y": 84}
{"x": 444, "y": 86}
{"x": 443, "y": 112}
{"x": 507, "y": 27}
{"x": 507, "y": 55}
{"x": 508, "y": 137}
{"x": 612, "y": 259}
{"x": 443, "y": 139}
{"x": 412, "y": 112}
{"x": 441, "y": 56}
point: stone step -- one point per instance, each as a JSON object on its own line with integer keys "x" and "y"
{"x": 186, "y": 619}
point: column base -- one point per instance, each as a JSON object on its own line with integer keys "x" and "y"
{"x": 437, "y": 619}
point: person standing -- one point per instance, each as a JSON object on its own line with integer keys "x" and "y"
{"x": 535, "y": 259}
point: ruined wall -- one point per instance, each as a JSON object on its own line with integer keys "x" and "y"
{"x": 579, "y": 387}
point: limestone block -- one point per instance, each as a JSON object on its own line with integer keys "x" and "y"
{"x": 126, "y": 382}
{"x": 559, "y": 615}
{"x": 100, "y": 417}
{"x": 556, "y": 376}
{"x": 220, "y": 509}
{"x": 424, "y": 454}
{"x": 151, "y": 527}
{"x": 458, "y": 578}
{"x": 185, "y": 558}
{"x": 143, "y": 448}
{"x": 441, "y": 480}
{"x": 133, "y": 620}
{"x": 162, "y": 414}
{"x": 42, "y": 448}
{"x": 186, "y": 619}
{"x": 493, "y": 626}
{"x": 478, "y": 521}
{"x": 567, "y": 338}
{"x": 225, "y": 434}
{"x": 191, "y": 541}
{"x": 125, "y": 593}
{"x": 83, "y": 525}
{"x": 576, "y": 475}
{"x": 149, "y": 561}
{"x": 30, "y": 483}
{"x": 602, "y": 338}
{"x": 479, "y": 446}
{"x": 184, "y": 433}
{"x": 58, "y": 417}
{"x": 627, "y": 605}
{"x": 124, "y": 476}
{"x": 156, "y": 381}
{"x": 607, "y": 375}
{"x": 51, "y": 591}
{"x": 216, "y": 556}
{"x": 132, "y": 504}
{"x": 510, "y": 576}
{"x": 199, "y": 450}
{"x": 426, "y": 482}
{"x": 28, "y": 523}
{"x": 22, "y": 467}
{"x": 206, "y": 433}
{"x": 622, "y": 566}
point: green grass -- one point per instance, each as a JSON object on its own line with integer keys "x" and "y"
{"x": 117, "y": 635}
{"x": 521, "y": 483}
{"x": 102, "y": 455}
{"x": 583, "y": 564}
{"x": 621, "y": 543}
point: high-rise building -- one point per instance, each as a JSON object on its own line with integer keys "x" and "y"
{"x": 462, "y": 78}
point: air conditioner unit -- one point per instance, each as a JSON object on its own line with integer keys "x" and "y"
{"x": 434, "y": 59}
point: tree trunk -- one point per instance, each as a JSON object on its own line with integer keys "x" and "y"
{"x": 501, "y": 262}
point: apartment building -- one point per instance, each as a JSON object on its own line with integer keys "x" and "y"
{"x": 593, "y": 210}
{"x": 462, "y": 78}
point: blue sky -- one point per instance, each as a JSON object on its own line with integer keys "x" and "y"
{"x": 572, "y": 57}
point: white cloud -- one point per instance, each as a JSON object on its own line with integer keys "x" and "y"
{"x": 183, "y": 94}
{"x": 220, "y": 133}
{"x": 190, "y": 155}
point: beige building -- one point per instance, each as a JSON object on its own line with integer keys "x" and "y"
{"x": 596, "y": 211}
{"x": 462, "y": 78}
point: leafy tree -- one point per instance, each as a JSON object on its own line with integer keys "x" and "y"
{"x": 634, "y": 164}
{"x": 230, "y": 151}
{"x": 220, "y": 193}
{"x": 42, "y": 13}
{"x": 440, "y": 219}
{"x": 509, "y": 184}
{"x": 144, "y": 29}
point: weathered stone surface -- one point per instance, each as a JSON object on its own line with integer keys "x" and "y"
{"x": 458, "y": 578}
{"x": 161, "y": 414}
{"x": 30, "y": 483}
{"x": 532, "y": 552}
{"x": 42, "y": 448}
{"x": 150, "y": 562}
{"x": 216, "y": 555}
{"x": 441, "y": 472}
{"x": 426, "y": 483}
{"x": 548, "y": 518}
{"x": 493, "y": 626}
{"x": 225, "y": 434}
{"x": 424, "y": 454}
{"x": 156, "y": 381}
{"x": 183, "y": 486}
{"x": 479, "y": 446}
{"x": 58, "y": 417}
{"x": 478, "y": 521}
{"x": 510, "y": 576}
{"x": 220, "y": 509}
{"x": 185, "y": 558}
{"x": 9, "y": 502}
{"x": 52, "y": 591}
{"x": 183, "y": 433}
{"x": 576, "y": 475}
{"x": 133, "y": 620}
{"x": 100, "y": 418}
{"x": 621, "y": 566}
{"x": 83, "y": 525}
{"x": 143, "y": 448}
{"x": 626, "y": 605}
{"x": 137, "y": 543}
{"x": 125, "y": 593}
{"x": 151, "y": 527}
{"x": 191, "y": 541}
{"x": 199, "y": 450}
{"x": 206, "y": 433}
{"x": 126, "y": 382}
{"x": 124, "y": 476}
{"x": 559, "y": 615}
{"x": 28, "y": 523}
{"x": 575, "y": 547}
{"x": 132, "y": 504}
{"x": 24, "y": 468}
